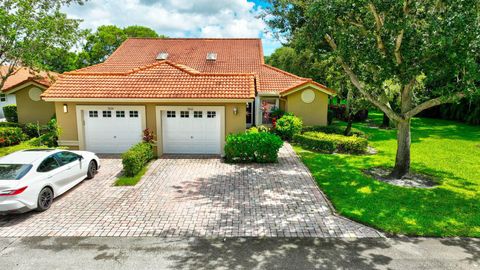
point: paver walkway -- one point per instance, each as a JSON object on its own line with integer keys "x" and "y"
{"x": 181, "y": 196}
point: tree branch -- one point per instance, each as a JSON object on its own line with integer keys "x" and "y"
{"x": 433, "y": 102}
{"x": 379, "y": 25}
{"x": 398, "y": 45}
{"x": 356, "y": 82}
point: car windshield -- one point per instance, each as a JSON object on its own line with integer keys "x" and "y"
{"x": 13, "y": 171}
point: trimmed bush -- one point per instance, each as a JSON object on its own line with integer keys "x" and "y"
{"x": 34, "y": 130}
{"x": 258, "y": 129}
{"x": 332, "y": 129}
{"x": 11, "y": 136}
{"x": 287, "y": 126}
{"x": 10, "y": 112}
{"x": 261, "y": 147}
{"x": 329, "y": 143}
{"x": 9, "y": 124}
{"x": 136, "y": 158}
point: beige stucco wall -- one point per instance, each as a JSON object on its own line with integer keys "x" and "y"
{"x": 68, "y": 121}
{"x": 30, "y": 111}
{"x": 314, "y": 113}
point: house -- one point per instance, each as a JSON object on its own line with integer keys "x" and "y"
{"x": 24, "y": 88}
{"x": 190, "y": 92}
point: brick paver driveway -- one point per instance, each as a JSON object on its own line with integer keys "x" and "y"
{"x": 193, "y": 197}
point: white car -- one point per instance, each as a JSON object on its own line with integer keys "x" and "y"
{"x": 31, "y": 179}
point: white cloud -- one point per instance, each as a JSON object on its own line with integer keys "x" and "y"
{"x": 177, "y": 18}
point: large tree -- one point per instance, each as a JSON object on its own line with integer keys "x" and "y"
{"x": 28, "y": 29}
{"x": 410, "y": 43}
{"x": 99, "y": 45}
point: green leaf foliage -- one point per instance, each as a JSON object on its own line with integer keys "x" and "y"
{"x": 10, "y": 112}
{"x": 333, "y": 129}
{"x": 11, "y": 136}
{"x": 329, "y": 143}
{"x": 287, "y": 126}
{"x": 261, "y": 147}
{"x": 136, "y": 158}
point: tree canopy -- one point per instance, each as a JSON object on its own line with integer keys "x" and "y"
{"x": 106, "y": 39}
{"x": 29, "y": 29}
{"x": 428, "y": 48}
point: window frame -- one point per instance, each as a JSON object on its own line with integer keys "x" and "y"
{"x": 171, "y": 114}
{"x": 184, "y": 114}
{"x": 43, "y": 161}
{"x": 121, "y": 113}
{"x": 3, "y": 97}
{"x": 59, "y": 161}
{"x": 108, "y": 113}
{"x": 94, "y": 113}
{"x": 211, "y": 114}
{"x": 133, "y": 114}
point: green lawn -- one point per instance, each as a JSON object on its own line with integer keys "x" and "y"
{"x": 22, "y": 146}
{"x": 449, "y": 151}
{"x": 131, "y": 181}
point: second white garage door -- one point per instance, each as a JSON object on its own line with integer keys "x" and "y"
{"x": 112, "y": 129}
{"x": 194, "y": 130}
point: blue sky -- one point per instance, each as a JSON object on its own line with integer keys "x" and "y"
{"x": 180, "y": 18}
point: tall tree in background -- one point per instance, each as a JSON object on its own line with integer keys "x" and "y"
{"x": 29, "y": 28}
{"x": 100, "y": 44}
{"x": 375, "y": 41}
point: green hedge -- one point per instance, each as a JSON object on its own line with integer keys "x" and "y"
{"x": 10, "y": 112}
{"x": 9, "y": 124}
{"x": 287, "y": 126}
{"x": 332, "y": 129}
{"x": 11, "y": 136}
{"x": 329, "y": 143}
{"x": 261, "y": 147}
{"x": 136, "y": 158}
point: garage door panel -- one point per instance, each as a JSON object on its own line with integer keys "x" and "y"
{"x": 113, "y": 134}
{"x": 196, "y": 134}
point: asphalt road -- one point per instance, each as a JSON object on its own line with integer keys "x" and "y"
{"x": 269, "y": 253}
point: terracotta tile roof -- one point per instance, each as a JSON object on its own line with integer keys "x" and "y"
{"x": 23, "y": 75}
{"x": 160, "y": 80}
{"x": 234, "y": 56}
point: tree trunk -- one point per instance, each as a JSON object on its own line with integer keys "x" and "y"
{"x": 349, "y": 125}
{"x": 386, "y": 121}
{"x": 402, "y": 161}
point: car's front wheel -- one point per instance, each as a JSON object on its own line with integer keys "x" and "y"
{"x": 45, "y": 199}
{"x": 92, "y": 169}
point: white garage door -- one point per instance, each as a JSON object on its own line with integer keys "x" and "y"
{"x": 112, "y": 130}
{"x": 191, "y": 130}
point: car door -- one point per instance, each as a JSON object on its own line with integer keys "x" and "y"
{"x": 73, "y": 166}
{"x": 52, "y": 173}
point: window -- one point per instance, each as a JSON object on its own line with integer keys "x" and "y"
{"x": 107, "y": 114}
{"x": 249, "y": 113}
{"x": 184, "y": 114}
{"x": 92, "y": 114}
{"x": 197, "y": 114}
{"x": 120, "y": 114}
{"x": 66, "y": 157}
{"x": 134, "y": 114}
{"x": 13, "y": 171}
{"x": 267, "y": 107}
{"x": 170, "y": 114}
{"x": 211, "y": 114}
{"x": 50, "y": 163}
{"x": 3, "y": 97}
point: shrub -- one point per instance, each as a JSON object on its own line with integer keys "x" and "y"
{"x": 258, "y": 129}
{"x": 261, "y": 147}
{"x": 332, "y": 129}
{"x": 11, "y": 136}
{"x": 148, "y": 136}
{"x": 9, "y": 124}
{"x": 52, "y": 131}
{"x": 136, "y": 158}
{"x": 10, "y": 112}
{"x": 34, "y": 130}
{"x": 329, "y": 143}
{"x": 288, "y": 125}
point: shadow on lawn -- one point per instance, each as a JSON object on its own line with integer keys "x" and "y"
{"x": 412, "y": 211}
